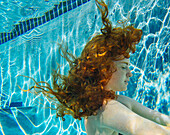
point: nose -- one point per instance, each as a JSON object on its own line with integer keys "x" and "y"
{"x": 129, "y": 74}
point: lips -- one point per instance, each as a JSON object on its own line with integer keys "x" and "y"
{"x": 127, "y": 81}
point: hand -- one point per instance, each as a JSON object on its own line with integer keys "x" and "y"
{"x": 167, "y": 128}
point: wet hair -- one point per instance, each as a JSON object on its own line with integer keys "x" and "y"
{"x": 81, "y": 93}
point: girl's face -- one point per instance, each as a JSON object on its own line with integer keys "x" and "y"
{"x": 119, "y": 79}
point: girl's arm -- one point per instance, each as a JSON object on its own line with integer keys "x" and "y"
{"x": 143, "y": 111}
{"x": 118, "y": 117}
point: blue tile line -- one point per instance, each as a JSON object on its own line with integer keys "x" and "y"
{"x": 24, "y": 26}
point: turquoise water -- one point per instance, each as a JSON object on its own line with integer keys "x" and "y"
{"x": 35, "y": 53}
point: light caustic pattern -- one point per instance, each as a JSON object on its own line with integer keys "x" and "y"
{"x": 35, "y": 54}
{"x": 12, "y": 11}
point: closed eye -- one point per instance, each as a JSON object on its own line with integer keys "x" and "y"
{"x": 124, "y": 67}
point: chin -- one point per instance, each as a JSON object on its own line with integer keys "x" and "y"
{"x": 120, "y": 90}
{"x": 123, "y": 89}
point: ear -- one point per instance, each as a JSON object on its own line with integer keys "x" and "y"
{"x": 110, "y": 69}
{"x": 113, "y": 67}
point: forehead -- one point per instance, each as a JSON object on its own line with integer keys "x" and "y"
{"x": 123, "y": 61}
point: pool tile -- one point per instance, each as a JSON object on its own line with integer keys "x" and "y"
{"x": 47, "y": 16}
{"x": 29, "y": 24}
{"x": 60, "y": 12}
{"x": 35, "y": 22}
{"x": 43, "y": 19}
{"x": 32, "y": 23}
{"x": 74, "y": 5}
{"x": 79, "y": 2}
{"x": 51, "y": 14}
{"x": 39, "y": 21}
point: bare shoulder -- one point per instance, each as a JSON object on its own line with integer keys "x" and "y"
{"x": 116, "y": 116}
{"x": 114, "y": 107}
{"x": 97, "y": 124}
{"x": 109, "y": 110}
{"x": 128, "y": 102}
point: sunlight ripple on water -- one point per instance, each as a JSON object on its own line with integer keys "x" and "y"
{"x": 35, "y": 54}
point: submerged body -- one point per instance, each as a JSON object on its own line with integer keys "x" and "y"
{"x": 127, "y": 117}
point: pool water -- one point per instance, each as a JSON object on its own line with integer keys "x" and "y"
{"x": 29, "y": 34}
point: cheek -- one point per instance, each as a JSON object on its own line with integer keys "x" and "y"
{"x": 115, "y": 77}
{"x": 119, "y": 77}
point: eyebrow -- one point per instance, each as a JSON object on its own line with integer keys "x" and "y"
{"x": 125, "y": 63}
